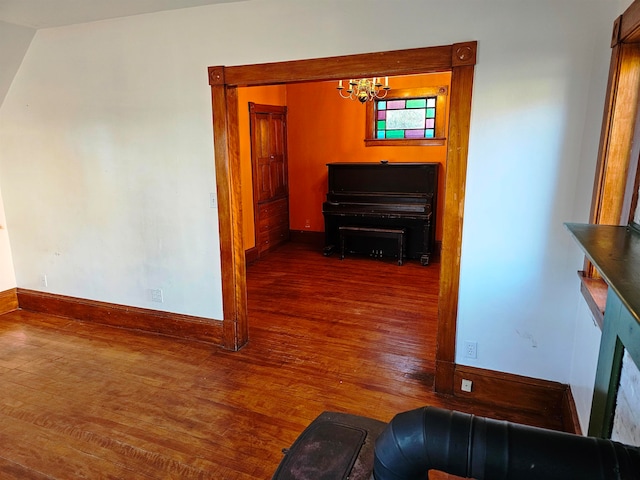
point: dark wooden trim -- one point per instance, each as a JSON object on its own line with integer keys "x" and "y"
{"x": 251, "y": 255}
{"x": 570, "y": 419}
{"x": 8, "y": 301}
{"x": 455, "y": 181}
{"x": 122, "y": 316}
{"x": 615, "y": 32}
{"x": 395, "y": 62}
{"x": 463, "y": 54}
{"x": 458, "y": 58}
{"x": 404, "y": 142}
{"x": 307, "y": 237}
{"x": 216, "y": 75}
{"x": 226, "y": 147}
{"x": 630, "y": 24}
{"x": 594, "y": 291}
{"x": 510, "y": 391}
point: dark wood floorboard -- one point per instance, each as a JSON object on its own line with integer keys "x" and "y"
{"x": 81, "y": 400}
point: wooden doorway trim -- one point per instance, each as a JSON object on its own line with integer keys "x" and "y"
{"x": 459, "y": 59}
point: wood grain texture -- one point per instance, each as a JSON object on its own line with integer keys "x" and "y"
{"x": 395, "y": 62}
{"x": 594, "y": 291}
{"x": 172, "y": 324}
{"x": 460, "y": 61}
{"x": 8, "y": 301}
{"x": 455, "y": 181}
{"x": 570, "y": 419}
{"x": 512, "y": 391}
{"x": 227, "y": 165}
{"x": 630, "y": 24}
{"x": 83, "y": 400}
{"x": 620, "y": 137}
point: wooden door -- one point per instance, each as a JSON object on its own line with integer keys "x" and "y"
{"x": 270, "y": 175}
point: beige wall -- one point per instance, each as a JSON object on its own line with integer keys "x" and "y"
{"x": 7, "y": 274}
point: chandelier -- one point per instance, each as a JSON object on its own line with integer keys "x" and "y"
{"x": 365, "y": 89}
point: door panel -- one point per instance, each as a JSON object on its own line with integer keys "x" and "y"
{"x": 270, "y": 175}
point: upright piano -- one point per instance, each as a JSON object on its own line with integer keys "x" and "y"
{"x": 382, "y": 195}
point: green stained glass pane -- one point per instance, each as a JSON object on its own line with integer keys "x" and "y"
{"x": 395, "y": 133}
{"x": 416, "y": 103}
{"x": 429, "y": 133}
{"x": 381, "y": 134}
{"x": 431, "y": 113}
{"x": 382, "y": 124}
{"x": 382, "y": 105}
{"x": 431, "y": 102}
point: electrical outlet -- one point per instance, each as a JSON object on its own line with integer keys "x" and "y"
{"x": 466, "y": 386}
{"x": 470, "y": 349}
{"x": 213, "y": 200}
{"x": 43, "y": 280}
{"x": 156, "y": 295}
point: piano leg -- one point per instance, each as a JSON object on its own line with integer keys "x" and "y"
{"x": 424, "y": 260}
{"x": 328, "y": 250}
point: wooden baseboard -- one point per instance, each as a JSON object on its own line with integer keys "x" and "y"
{"x": 570, "y": 419}
{"x": 8, "y": 300}
{"x": 121, "y": 316}
{"x": 511, "y": 391}
{"x": 251, "y": 255}
{"x": 305, "y": 236}
{"x": 437, "y": 250}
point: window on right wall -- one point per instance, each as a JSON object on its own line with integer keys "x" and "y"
{"x": 412, "y": 116}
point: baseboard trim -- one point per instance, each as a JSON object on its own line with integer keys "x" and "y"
{"x": 305, "y": 236}
{"x": 570, "y": 418}
{"x": 511, "y": 391}
{"x": 8, "y": 300}
{"x": 121, "y": 316}
{"x": 251, "y": 255}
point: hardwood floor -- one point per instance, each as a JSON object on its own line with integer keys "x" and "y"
{"x": 80, "y": 400}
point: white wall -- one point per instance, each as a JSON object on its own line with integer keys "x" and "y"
{"x": 106, "y": 156}
{"x": 14, "y": 42}
{"x": 584, "y": 362}
{"x": 7, "y": 274}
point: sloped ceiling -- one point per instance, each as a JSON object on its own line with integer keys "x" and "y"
{"x": 56, "y": 13}
{"x": 19, "y": 20}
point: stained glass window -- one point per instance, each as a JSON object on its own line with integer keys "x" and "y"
{"x": 406, "y": 118}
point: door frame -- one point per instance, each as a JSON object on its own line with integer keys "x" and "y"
{"x": 459, "y": 59}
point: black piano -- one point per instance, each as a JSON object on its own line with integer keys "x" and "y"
{"x": 382, "y": 195}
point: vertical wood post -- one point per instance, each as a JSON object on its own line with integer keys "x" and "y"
{"x": 463, "y": 61}
{"x": 227, "y": 167}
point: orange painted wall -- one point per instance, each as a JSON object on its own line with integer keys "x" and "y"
{"x": 270, "y": 95}
{"x": 323, "y": 128}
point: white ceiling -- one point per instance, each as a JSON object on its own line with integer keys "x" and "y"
{"x": 56, "y": 13}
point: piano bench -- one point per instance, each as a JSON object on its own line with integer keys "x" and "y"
{"x": 396, "y": 233}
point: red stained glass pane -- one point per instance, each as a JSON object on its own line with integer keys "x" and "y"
{"x": 382, "y": 115}
{"x": 431, "y": 123}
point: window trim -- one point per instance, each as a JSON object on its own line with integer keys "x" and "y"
{"x": 440, "y": 92}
